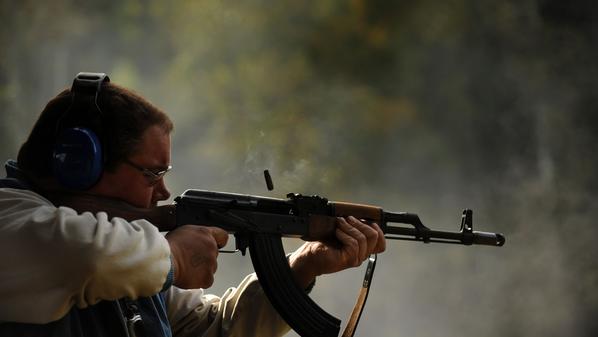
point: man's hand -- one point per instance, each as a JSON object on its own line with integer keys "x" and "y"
{"x": 194, "y": 250}
{"x": 355, "y": 242}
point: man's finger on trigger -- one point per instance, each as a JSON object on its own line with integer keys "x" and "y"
{"x": 220, "y": 235}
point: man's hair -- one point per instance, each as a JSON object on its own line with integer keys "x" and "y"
{"x": 125, "y": 117}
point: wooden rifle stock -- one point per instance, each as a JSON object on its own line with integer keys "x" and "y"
{"x": 163, "y": 217}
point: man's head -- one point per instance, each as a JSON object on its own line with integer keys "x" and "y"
{"x": 133, "y": 129}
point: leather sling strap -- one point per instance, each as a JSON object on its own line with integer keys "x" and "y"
{"x": 361, "y": 298}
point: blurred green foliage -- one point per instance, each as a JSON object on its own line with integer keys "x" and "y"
{"x": 433, "y": 106}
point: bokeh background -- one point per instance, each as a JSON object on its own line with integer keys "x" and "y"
{"x": 422, "y": 106}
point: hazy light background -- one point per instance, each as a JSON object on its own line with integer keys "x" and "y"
{"x": 427, "y": 106}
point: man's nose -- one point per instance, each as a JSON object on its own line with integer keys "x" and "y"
{"x": 161, "y": 192}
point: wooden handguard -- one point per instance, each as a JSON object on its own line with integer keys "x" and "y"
{"x": 365, "y": 212}
{"x": 322, "y": 227}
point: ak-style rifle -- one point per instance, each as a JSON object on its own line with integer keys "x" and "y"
{"x": 258, "y": 223}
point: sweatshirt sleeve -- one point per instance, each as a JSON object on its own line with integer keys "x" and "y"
{"x": 241, "y": 311}
{"x": 54, "y": 259}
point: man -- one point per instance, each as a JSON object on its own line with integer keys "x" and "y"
{"x": 65, "y": 273}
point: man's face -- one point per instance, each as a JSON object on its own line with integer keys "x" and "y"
{"x": 129, "y": 183}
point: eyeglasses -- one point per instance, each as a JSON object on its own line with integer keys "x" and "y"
{"x": 153, "y": 176}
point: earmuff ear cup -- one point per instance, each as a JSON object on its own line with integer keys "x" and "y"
{"x": 77, "y": 158}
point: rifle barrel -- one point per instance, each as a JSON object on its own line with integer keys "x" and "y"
{"x": 474, "y": 238}
{"x": 419, "y": 232}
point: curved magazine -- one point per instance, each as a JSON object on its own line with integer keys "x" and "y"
{"x": 291, "y": 301}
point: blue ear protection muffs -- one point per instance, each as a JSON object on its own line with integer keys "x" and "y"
{"x": 78, "y": 158}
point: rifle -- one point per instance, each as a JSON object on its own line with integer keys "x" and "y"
{"x": 258, "y": 224}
